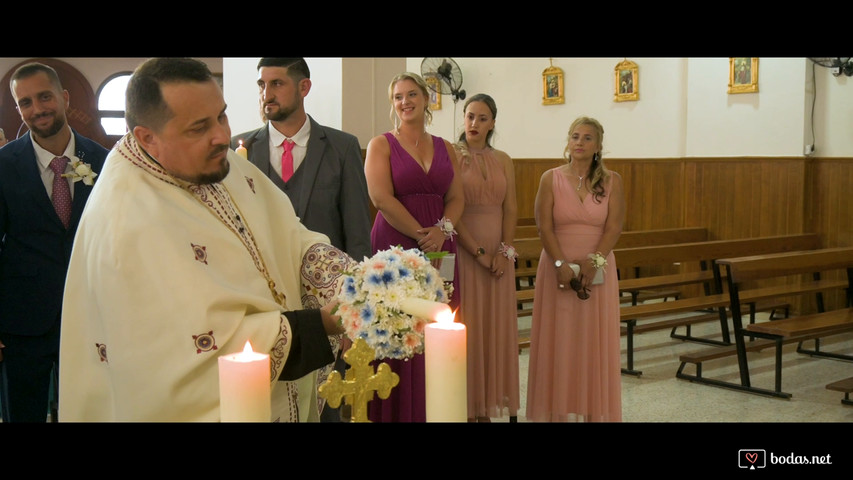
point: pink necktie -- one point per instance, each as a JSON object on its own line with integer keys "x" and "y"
{"x": 287, "y": 160}
{"x": 61, "y": 191}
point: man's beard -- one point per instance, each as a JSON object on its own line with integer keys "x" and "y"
{"x": 283, "y": 113}
{"x": 54, "y": 128}
{"x": 215, "y": 177}
{"x": 203, "y": 178}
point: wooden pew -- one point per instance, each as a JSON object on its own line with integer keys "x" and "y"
{"x": 637, "y": 238}
{"x": 666, "y": 236}
{"x": 747, "y": 280}
{"x": 530, "y": 248}
{"x": 845, "y": 386}
{"x": 712, "y": 304}
{"x": 526, "y": 231}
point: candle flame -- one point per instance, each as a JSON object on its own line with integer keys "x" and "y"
{"x": 248, "y": 348}
{"x": 241, "y": 142}
{"x": 446, "y": 316}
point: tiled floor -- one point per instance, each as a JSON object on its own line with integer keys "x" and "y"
{"x": 658, "y": 396}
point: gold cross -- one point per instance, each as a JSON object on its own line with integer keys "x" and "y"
{"x": 360, "y": 381}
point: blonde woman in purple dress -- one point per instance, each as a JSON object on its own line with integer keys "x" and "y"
{"x": 413, "y": 183}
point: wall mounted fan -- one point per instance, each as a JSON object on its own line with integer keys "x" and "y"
{"x": 838, "y": 65}
{"x": 447, "y": 72}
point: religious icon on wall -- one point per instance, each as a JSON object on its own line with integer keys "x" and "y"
{"x": 552, "y": 86}
{"x": 434, "y": 96}
{"x": 627, "y": 78}
{"x": 743, "y": 74}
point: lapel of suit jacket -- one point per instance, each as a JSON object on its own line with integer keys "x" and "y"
{"x": 258, "y": 146}
{"x": 311, "y": 165}
{"x": 30, "y": 174}
{"x": 81, "y": 190}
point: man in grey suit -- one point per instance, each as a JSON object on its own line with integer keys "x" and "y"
{"x": 327, "y": 187}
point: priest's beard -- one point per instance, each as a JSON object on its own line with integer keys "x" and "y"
{"x": 219, "y": 175}
{"x": 216, "y": 177}
{"x": 202, "y": 178}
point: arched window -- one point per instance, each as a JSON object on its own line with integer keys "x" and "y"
{"x": 111, "y": 104}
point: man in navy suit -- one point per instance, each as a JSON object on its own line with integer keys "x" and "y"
{"x": 35, "y": 244}
{"x": 327, "y": 188}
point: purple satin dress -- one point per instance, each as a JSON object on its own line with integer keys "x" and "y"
{"x": 423, "y": 196}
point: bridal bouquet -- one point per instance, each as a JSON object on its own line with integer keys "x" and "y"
{"x": 371, "y": 298}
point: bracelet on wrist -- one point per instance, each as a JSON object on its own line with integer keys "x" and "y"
{"x": 597, "y": 260}
{"x": 446, "y": 226}
{"x": 508, "y": 251}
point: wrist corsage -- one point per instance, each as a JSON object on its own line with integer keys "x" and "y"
{"x": 446, "y": 226}
{"x": 597, "y": 259}
{"x": 508, "y": 251}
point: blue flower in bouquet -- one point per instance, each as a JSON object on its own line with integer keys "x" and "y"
{"x": 370, "y": 300}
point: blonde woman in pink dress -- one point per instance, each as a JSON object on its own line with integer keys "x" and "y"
{"x": 486, "y": 265}
{"x": 575, "y": 362}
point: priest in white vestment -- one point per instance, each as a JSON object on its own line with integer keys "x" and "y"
{"x": 174, "y": 266}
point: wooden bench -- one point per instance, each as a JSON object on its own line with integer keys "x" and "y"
{"x": 526, "y": 231}
{"x": 713, "y": 301}
{"x": 665, "y": 236}
{"x": 747, "y": 280}
{"x": 526, "y": 270}
{"x": 529, "y": 249}
{"x": 845, "y": 386}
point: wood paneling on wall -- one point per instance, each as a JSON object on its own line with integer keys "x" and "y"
{"x": 528, "y": 171}
{"x": 654, "y": 193}
{"x": 827, "y": 206}
{"x": 732, "y": 197}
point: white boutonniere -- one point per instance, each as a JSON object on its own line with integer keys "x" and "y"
{"x": 81, "y": 171}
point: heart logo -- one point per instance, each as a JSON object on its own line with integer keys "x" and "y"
{"x": 752, "y": 457}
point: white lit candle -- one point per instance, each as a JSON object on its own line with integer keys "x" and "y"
{"x": 426, "y": 309}
{"x": 244, "y": 386}
{"x": 446, "y": 370}
{"x": 241, "y": 150}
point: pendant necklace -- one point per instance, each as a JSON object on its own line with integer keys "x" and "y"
{"x": 580, "y": 178}
{"x": 417, "y": 142}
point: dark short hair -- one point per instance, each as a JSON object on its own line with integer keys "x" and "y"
{"x": 29, "y": 69}
{"x": 144, "y": 99}
{"x": 296, "y": 67}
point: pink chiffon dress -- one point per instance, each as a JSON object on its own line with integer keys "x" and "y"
{"x": 575, "y": 362}
{"x": 488, "y": 302}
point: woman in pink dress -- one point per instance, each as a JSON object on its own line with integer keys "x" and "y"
{"x": 413, "y": 183}
{"x": 575, "y": 362}
{"x": 486, "y": 265}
